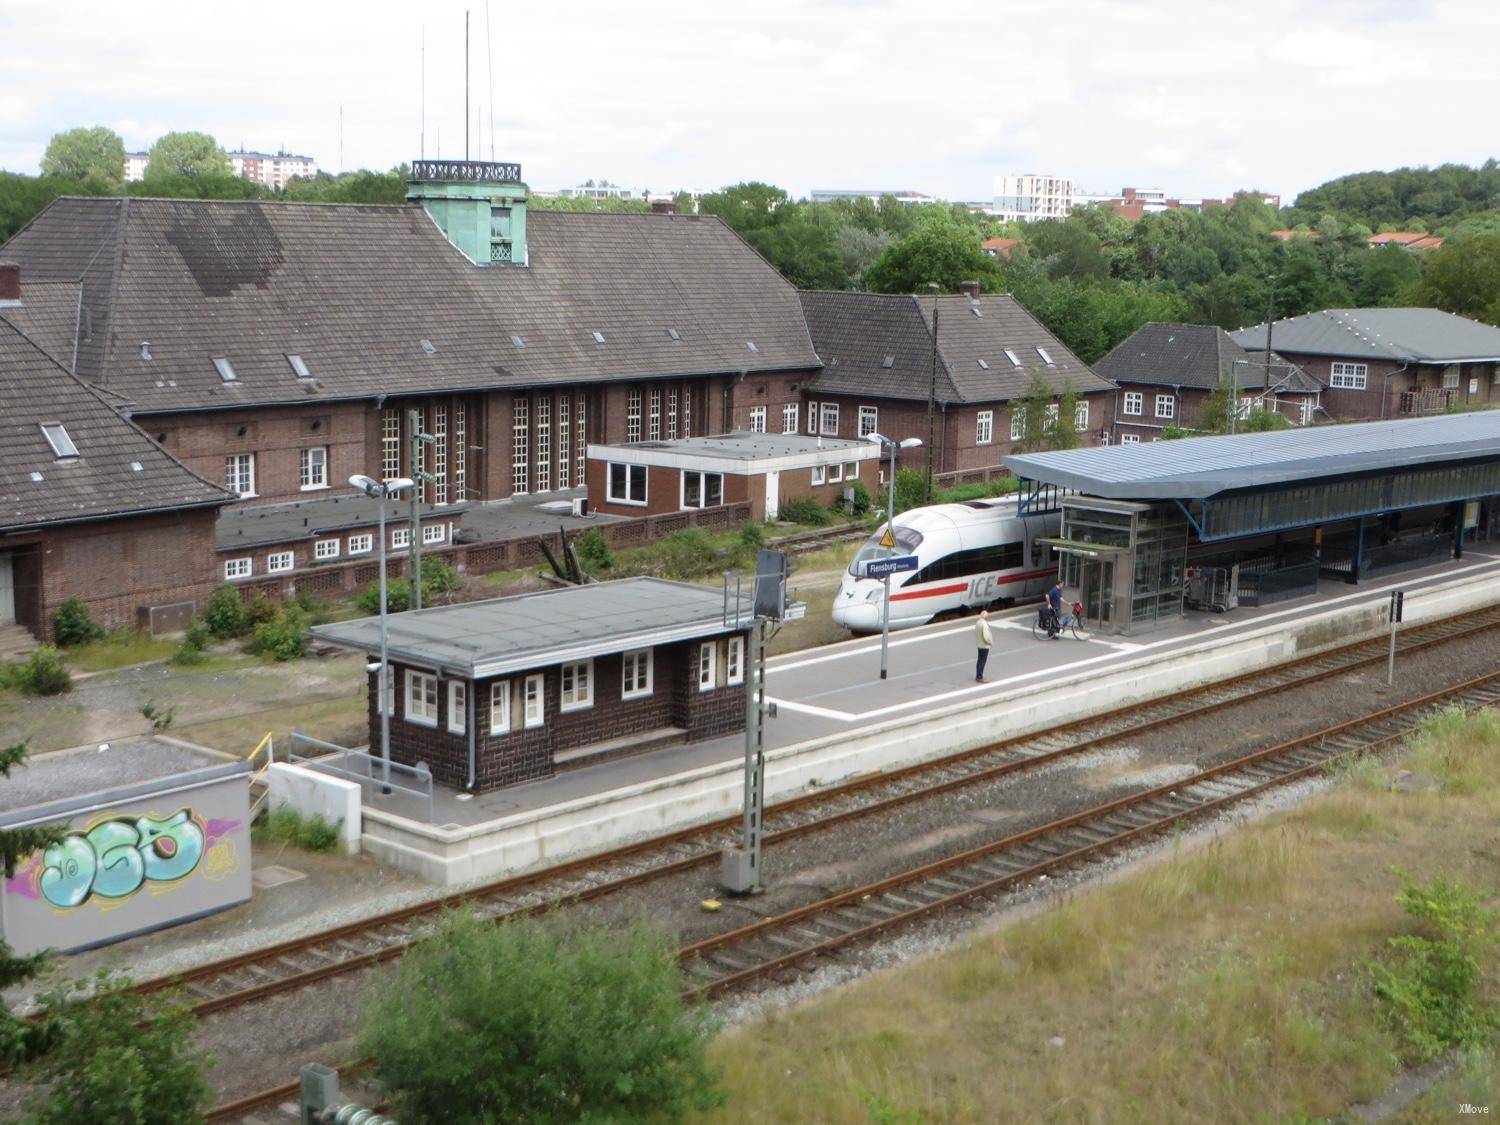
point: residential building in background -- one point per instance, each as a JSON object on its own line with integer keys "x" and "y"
{"x": 1032, "y": 196}
{"x": 1131, "y": 203}
{"x": 601, "y": 190}
{"x": 1407, "y": 240}
{"x": 135, "y": 166}
{"x": 874, "y": 195}
{"x": 273, "y": 169}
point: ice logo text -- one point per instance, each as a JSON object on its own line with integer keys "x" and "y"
{"x": 115, "y": 858}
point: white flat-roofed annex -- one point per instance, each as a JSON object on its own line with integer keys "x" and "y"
{"x": 740, "y": 453}
{"x": 498, "y": 636}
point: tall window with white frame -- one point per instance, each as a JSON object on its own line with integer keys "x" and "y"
{"x": 458, "y": 706}
{"x": 520, "y": 444}
{"x": 789, "y": 413}
{"x": 500, "y": 707}
{"x": 1017, "y": 422}
{"x": 687, "y": 410}
{"x": 830, "y": 419}
{"x": 757, "y": 419}
{"x": 421, "y": 698}
{"x": 672, "y": 412}
{"x": 460, "y": 453}
{"x": 707, "y": 656}
{"x": 633, "y": 415}
{"x": 239, "y": 473}
{"x": 654, "y": 429}
{"x": 312, "y": 468}
{"x": 869, "y": 420}
{"x": 812, "y": 417}
{"x": 577, "y": 682}
{"x": 984, "y": 427}
{"x": 440, "y": 453}
{"x": 543, "y": 443}
{"x": 734, "y": 660}
{"x": 533, "y": 701}
{"x": 564, "y": 441}
{"x": 580, "y": 436}
{"x": 1081, "y": 416}
{"x": 635, "y": 675}
{"x": 390, "y": 443}
{"x": 1166, "y": 406}
{"x": 1134, "y": 400}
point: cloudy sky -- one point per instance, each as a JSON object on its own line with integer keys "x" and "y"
{"x": 1197, "y": 98}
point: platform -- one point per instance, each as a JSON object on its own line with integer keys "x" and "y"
{"x": 836, "y": 717}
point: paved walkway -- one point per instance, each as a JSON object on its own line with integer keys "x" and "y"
{"x": 838, "y": 687}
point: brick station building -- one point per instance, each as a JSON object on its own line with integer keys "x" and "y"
{"x": 91, "y": 507}
{"x": 878, "y": 354}
{"x": 492, "y": 693}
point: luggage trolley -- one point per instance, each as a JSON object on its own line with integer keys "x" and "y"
{"x": 1215, "y": 588}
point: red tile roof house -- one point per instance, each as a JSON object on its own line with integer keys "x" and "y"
{"x": 1407, "y": 240}
{"x": 278, "y": 348}
{"x": 1166, "y": 373}
{"x": 90, "y": 506}
{"x": 1388, "y": 363}
{"x": 878, "y": 361}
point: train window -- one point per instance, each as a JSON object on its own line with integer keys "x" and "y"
{"x": 976, "y": 560}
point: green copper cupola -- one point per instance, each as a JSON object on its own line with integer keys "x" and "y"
{"x": 479, "y": 206}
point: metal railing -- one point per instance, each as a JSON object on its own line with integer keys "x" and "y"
{"x": 368, "y": 769}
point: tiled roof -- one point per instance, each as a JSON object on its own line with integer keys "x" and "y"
{"x": 1195, "y": 355}
{"x": 101, "y": 481}
{"x": 1402, "y": 335}
{"x": 47, "y": 316}
{"x": 354, "y": 289}
{"x": 1412, "y": 240}
{"x": 854, "y": 334}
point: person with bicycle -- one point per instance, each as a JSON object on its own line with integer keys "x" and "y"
{"x": 1054, "y": 610}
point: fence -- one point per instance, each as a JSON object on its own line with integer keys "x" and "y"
{"x": 337, "y": 579}
{"x": 1263, "y": 581}
{"x": 367, "y": 769}
{"x": 1401, "y": 554}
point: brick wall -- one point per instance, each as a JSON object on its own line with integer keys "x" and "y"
{"x": 117, "y": 568}
{"x": 1390, "y": 380}
{"x": 771, "y": 390}
{"x": 526, "y": 754}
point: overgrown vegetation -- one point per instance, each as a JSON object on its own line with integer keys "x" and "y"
{"x": 804, "y": 509}
{"x": 593, "y": 551}
{"x": 529, "y": 1021}
{"x": 225, "y": 616}
{"x": 437, "y": 578}
{"x": 41, "y": 673}
{"x": 73, "y": 625}
{"x": 20, "y": 1038}
{"x": 280, "y": 634}
{"x": 159, "y": 717}
{"x": 287, "y": 827}
{"x": 195, "y": 639}
{"x": 115, "y": 1056}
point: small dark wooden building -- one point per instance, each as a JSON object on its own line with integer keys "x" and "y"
{"x": 508, "y": 690}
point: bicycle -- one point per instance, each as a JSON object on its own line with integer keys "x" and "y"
{"x": 1071, "y": 622}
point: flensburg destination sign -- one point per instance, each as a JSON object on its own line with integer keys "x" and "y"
{"x": 879, "y": 568}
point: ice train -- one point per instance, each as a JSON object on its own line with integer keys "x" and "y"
{"x": 968, "y": 555}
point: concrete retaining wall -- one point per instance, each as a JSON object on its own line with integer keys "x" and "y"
{"x": 605, "y": 820}
{"x": 317, "y": 794}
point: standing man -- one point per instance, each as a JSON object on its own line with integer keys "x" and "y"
{"x": 1055, "y": 604}
{"x": 983, "y": 640}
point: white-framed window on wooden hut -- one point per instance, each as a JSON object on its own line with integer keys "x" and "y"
{"x": 500, "y": 707}
{"x": 734, "y": 661}
{"x": 708, "y": 653}
{"x": 421, "y": 698}
{"x": 577, "y": 685}
{"x": 532, "y": 699}
{"x": 635, "y": 674}
{"x": 458, "y": 706}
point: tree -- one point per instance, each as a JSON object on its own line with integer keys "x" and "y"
{"x": 529, "y": 1021}
{"x": 1035, "y": 407}
{"x": 745, "y": 207}
{"x": 944, "y": 254}
{"x": 116, "y": 1058}
{"x": 80, "y": 154}
{"x": 1063, "y": 432}
{"x": 858, "y": 248}
{"x": 1464, "y": 277}
{"x": 19, "y": 1038}
{"x": 186, "y": 154}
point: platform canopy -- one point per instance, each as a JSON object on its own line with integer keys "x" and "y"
{"x": 1198, "y": 468}
{"x": 503, "y": 635}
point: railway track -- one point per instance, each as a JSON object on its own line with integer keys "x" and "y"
{"x": 243, "y": 978}
{"x": 805, "y": 542}
{"x": 795, "y": 938}
{"x": 238, "y": 980}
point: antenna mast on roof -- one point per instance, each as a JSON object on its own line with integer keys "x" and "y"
{"x": 422, "y": 144}
{"x": 489, "y": 64}
{"x": 466, "y": 84}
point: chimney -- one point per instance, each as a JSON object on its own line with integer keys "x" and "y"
{"x": 971, "y": 288}
{"x": 10, "y": 281}
{"x": 664, "y": 206}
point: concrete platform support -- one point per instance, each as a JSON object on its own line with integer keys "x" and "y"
{"x": 317, "y": 794}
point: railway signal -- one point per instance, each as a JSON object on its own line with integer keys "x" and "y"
{"x": 1398, "y": 597}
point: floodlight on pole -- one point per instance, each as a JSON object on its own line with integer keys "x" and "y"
{"x": 890, "y": 519}
{"x": 379, "y": 491}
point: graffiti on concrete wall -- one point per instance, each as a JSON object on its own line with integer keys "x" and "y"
{"x": 115, "y": 858}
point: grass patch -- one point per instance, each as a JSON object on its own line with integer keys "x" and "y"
{"x": 119, "y": 649}
{"x": 287, "y": 827}
{"x": 343, "y": 721}
{"x": 1231, "y": 982}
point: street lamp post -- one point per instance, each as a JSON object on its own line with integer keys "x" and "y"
{"x": 380, "y": 491}
{"x": 890, "y": 520}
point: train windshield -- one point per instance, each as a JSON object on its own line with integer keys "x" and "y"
{"x": 907, "y": 542}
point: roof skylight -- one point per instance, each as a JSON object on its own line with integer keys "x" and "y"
{"x": 57, "y": 437}
{"x": 890, "y": 361}
{"x": 299, "y": 368}
{"x": 225, "y": 369}
{"x": 672, "y": 332}
{"x": 36, "y": 477}
{"x": 145, "y": 351}
{"x": 428, "y": 346}
{"x": 975, "y": 309}
{"x": 598, "y": 337}
{"x": 751, "y": 345}
{"x": 1047, "y": 359}
{"x": 135, "y": 467}
{"x": 1014, "y": 359}
{"x": 983, "y": 365}
{"x": 516, "y": 341}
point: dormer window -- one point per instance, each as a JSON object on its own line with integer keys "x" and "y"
{"x": 299, "y": 368}
{"x": 1047, "y": 359}
{"x": 57, "y": 437}
{"x": 428, "y": 346}
{"x": 225, "y": 369}
{"x": 598, "y": 337}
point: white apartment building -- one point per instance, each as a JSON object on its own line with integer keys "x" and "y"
{"x": 1032, "y": 196}
{"x": 273, "y": 169}
{"x": 135, "y": 166}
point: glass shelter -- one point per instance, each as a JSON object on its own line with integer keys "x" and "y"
{"x": 1125, "y": 561}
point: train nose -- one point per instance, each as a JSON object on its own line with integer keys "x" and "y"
{"x": 853, "y": 609}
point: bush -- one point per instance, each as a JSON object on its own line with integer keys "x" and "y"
{"x": 161, "y": 717}
{"x": 1430, "y": 993}
{"x": 118, "y": 1057}
{"x": 593, "y": 551}
{"x": 309, "y": 832}
{"x": 282, "y": 636}
{"x": 911, "y": 490}
{"x": 225, "y": 616}
{"x": 863, "y": 500}
{"x": 74, "y": 626}
{"x": 752, "y": 535}
{"x": 261, "y": 611}
{"x": 42, "y": 673}
{"x": 195, "y": 639}
{"x": 526, "y": 1021}
{"x": 687, "y": 553}
{"x": 804, "y": 509}
{"x": 397, "y": 597}
{"x": 437, "y": 578}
